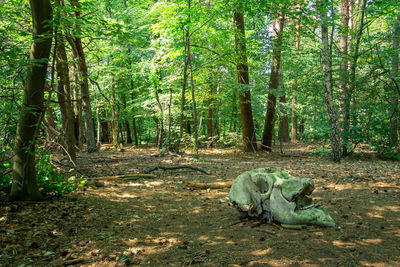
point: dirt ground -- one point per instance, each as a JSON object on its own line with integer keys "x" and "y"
{"x": 161, "y": 222}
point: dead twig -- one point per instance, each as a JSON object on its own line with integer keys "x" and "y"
{"x": 126, "y": 177}
{"x": 177, "y": 167}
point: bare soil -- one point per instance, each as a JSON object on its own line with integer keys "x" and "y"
{"x": 161, "y": 222}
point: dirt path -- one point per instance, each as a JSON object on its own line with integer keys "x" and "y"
{"x": 160, "y": 222}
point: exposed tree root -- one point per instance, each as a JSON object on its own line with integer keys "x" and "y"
{"x": 127, "y": 177}
{"x": 176, "y": 167}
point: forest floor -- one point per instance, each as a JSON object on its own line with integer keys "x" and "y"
{"x": 161, "y": 222}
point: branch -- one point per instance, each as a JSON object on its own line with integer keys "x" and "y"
{"x": 176, "y": 167}
{"x": 101, "y": 92}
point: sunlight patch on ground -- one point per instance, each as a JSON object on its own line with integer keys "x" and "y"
{"x": 342, "y": 244}
{"x": 371, "y": 241}
{"x": 152, "y": 184}
{"x": 203, "y": 238}
{"x": 262, "y": 252}
{"x": 135, "y": 184}
{"x": 375, "y": 215}
{"x": 375, "y": 264}
{"x": 387, "y": 208}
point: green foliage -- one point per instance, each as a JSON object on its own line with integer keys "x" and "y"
{"x": 51, "y": 182}
{"x": 5, "y": 168}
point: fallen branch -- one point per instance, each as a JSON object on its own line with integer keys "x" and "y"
{"x": 294, "y": 227}
{"x": 127, "y": 177}
{"x": 176, "y": 167}
{"x": 266, "y": 231}
{"x": 216, "y": 185}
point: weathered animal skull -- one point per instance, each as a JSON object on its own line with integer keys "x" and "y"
{"x": 276, "y": 195}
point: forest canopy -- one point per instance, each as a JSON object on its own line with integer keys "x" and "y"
{"x": 185, "y": 74}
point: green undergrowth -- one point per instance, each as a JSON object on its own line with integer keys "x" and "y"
{"x": 49, "y": 181}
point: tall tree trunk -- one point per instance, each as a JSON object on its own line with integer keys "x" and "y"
{"x": 77, "y": 107}
{"x": 296, "y": 87}
{"x": 134, "y": 128}
{"x": 344, "y": 104}
{"x": 184, "y": 83}
{"x": 126, "y": 122}
{"x": 195, "y": 130}
{"x": 115, "y": 118}
{"x": 232, "y": 121}
{"x": 327, "y": 71}
{"x": 210, "y": 131}
{"x": 84, "y": 85}
{"x": 160, "y": 119}
{"x": 394, "y": 98}
{"x": 105, "y": 132}
{"x": 64, "y": 99}
{"x": 24, "y": 185}
{"x": 268, "y": 132}
{"x": 284, "y": 121}
{"x": 246, "y": 113}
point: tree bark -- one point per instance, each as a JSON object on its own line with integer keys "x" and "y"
{"x": 195, "y": 130}
{"x": 327, "y": 71}
{"x": 394, "y": 98}
{"x": 24, "y": 186}
{"x": 344, "y": 103}
{"x": 126, "y": 122}
{"x": 246, "y": 113}
{"x": 284, "y": 121}
{"x": 294, "y": 97}
{"x": 268, "y": 132}
{"x": 134, "y": 128}
{"x": 115, "y": 118}
{"x": 84, "y": 85}
{"x": 64, "y": 98}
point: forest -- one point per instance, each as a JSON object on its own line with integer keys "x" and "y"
{"x": 124, "y": 124}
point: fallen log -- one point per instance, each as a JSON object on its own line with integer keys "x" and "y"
{"x": 127, "y": 177}
{"x": 177, "y": 167}
{"x": 216, "y": 185}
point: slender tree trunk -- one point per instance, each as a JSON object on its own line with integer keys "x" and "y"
{"x": 98, "y": 122}
{"x": 184, "y": 83}
{"x": 327, "y": 71}
{"x": 134, "y": 128}
{"x": 268, "y": 132}
{"x": 344, "y": 104}
{"x": 77, "y": 108}
{"x": 64, "y": 99}
{"x": 394, "y": 98}
{"x": 295, "y": 82}
{"x": 76, "y": 44}
{"x": 232, "y": 124}
{"x": 284, "y": 121}
{"x": 126, "y": 122}
{"x": 246, "y": 113}
{"x": 105, "y": 131}
{"x": 170, "y": 148}
{"x": 24, "y": 185}
{"x": 354, "y": 48}
{"x": 115, "y": 118}
{"x": 195, "y": 130}
{"x": 160, "y": 120}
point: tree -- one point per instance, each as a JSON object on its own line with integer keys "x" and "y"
{"x": 76, "y": 44}
{"x": 395, "y": 92}
{"x": 327, "y": 72}
{"x": 64, "y": 98}
{"x": 24, "y": 185}
{"x": 269, "y": 124}
{"x": 246, "y": 113}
